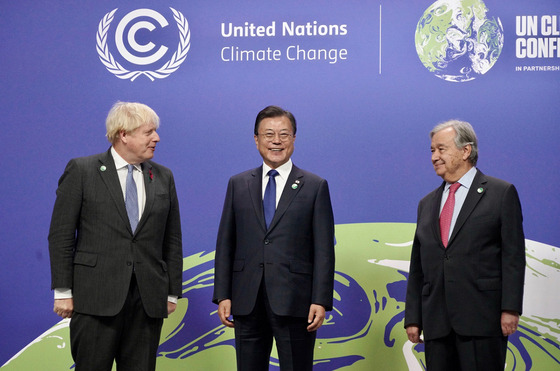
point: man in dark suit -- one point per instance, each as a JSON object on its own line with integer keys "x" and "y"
{"x": 465, "y": 286}
{"x": 274, "y": 266}
{"x": 115, "y": 246}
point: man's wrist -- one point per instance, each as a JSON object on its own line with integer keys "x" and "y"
{"x": 172, "y": 299}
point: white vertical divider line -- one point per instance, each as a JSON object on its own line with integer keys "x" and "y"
{"x": 380, "y": 39}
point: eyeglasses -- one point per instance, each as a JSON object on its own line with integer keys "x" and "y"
{"x": 269, "y": 136}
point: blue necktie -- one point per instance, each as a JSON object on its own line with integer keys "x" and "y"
{"x": 131, "y": 200}
{"x": 269, "y": 200}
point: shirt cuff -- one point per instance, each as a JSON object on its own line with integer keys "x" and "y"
{"x": 63, "y": 293}
{"x": 172, "y": 299}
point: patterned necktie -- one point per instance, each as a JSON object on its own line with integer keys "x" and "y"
{"x": 131, "y": 200}
{"x": 447, "y": 213}
{"x": 269, "y": 200}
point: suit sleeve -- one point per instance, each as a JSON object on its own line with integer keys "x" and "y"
{"x": 413, "y": 307}
{"x": 323, "y": 240}
{"x": 172, "y": 244}
{"x": 225, "y": 249}
{"x": 513, "y": 251}
{"x": 64, "y": 223}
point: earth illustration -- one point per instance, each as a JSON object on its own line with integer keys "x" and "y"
{"x": 457, "y": 41}
{"x": 363, "y": 332}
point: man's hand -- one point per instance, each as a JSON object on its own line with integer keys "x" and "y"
{"x": 171, "y": 307}
{"x": 64, "y": 307}
{"x": 224, "y": 311}
{"x": 510, "y": 320}
{"x": 413, "y": 333}
{"x": 316, "y": 317}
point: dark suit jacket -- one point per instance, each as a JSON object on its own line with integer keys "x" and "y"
{"x": 92, "y": 247}
{"x": 481, "y": 273}
{"x": 295, "y": 256}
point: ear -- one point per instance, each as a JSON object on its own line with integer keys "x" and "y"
{"x": 467, "y": 152}
{"x": 123, "y": 136}
{"x": 256, "y": 140}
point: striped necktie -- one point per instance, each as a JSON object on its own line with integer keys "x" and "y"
{"x": 131, "y": 200}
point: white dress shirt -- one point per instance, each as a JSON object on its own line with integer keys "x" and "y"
{"x": 281, "y": 179}
{"x": 460, "y": 195}
{"x": 122, "y": 172}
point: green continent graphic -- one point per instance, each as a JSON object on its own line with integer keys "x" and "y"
{"x": 457, "y": 41}
{"x": 363, "y": 332}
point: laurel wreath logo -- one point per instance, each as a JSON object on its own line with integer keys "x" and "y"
{"x": 168, "y": 68}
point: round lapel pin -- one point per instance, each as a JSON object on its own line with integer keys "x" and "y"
{"x": 102, "y": 168}
{"x": 480, "y": 190}
{"x": 294, "y": 186}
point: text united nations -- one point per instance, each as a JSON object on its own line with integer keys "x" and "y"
{"x": 234, "y": 53}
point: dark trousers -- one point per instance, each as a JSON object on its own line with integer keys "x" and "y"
{"x": 130, "y": 338}
{"x": 254, "y": 334}
{"x": 466, "y": 353}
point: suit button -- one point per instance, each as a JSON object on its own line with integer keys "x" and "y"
{"x": 266, "y": 242}
{"x": 261, "y": 265}
{"x": 129, "y": 263}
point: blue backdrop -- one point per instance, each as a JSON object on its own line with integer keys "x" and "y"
{"x": 363, "y": 119}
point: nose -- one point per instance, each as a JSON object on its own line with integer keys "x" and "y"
{"x": 156, "y": 137}
{"x": 435, "y": 156}
{"x": 276, "y": 139}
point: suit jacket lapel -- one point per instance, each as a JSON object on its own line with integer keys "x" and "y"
{"x": 111, "y": 180}
{"x": 254, "y": 182}
{"x": 150, "y": 190}
{"x": 288, "y": 194}
{"x": 473, "y": 197}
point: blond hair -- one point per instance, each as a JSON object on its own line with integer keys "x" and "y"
{"x": 128, "y": 116}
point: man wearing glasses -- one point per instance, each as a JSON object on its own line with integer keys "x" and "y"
{"x": 274, "y": 266}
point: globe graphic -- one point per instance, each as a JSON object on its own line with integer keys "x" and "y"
{"x": 457, "y": 41}
{"x": 363, "y": 332}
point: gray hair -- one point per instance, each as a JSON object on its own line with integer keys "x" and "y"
{"x": 464, "y": 135}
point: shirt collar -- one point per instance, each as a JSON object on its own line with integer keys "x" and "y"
{"x": 466, "y": 180}
{"x": 120, "y": 162}
{"x": 283, "y": 170}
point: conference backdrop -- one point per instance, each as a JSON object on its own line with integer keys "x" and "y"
{"x": 366, "y": 81}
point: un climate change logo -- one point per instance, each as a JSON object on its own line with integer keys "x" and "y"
{"x": 457, "y": 41}
{"x": 127, "y": 36}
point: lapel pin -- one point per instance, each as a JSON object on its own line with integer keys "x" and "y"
{"x": 294, "y": 186}
{"x": 297, "y": 181}
{"x": 480, "y": 190}
{"x": 102, "y": 168}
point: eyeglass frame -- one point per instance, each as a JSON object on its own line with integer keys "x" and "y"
{"x": 271, "y": 135}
